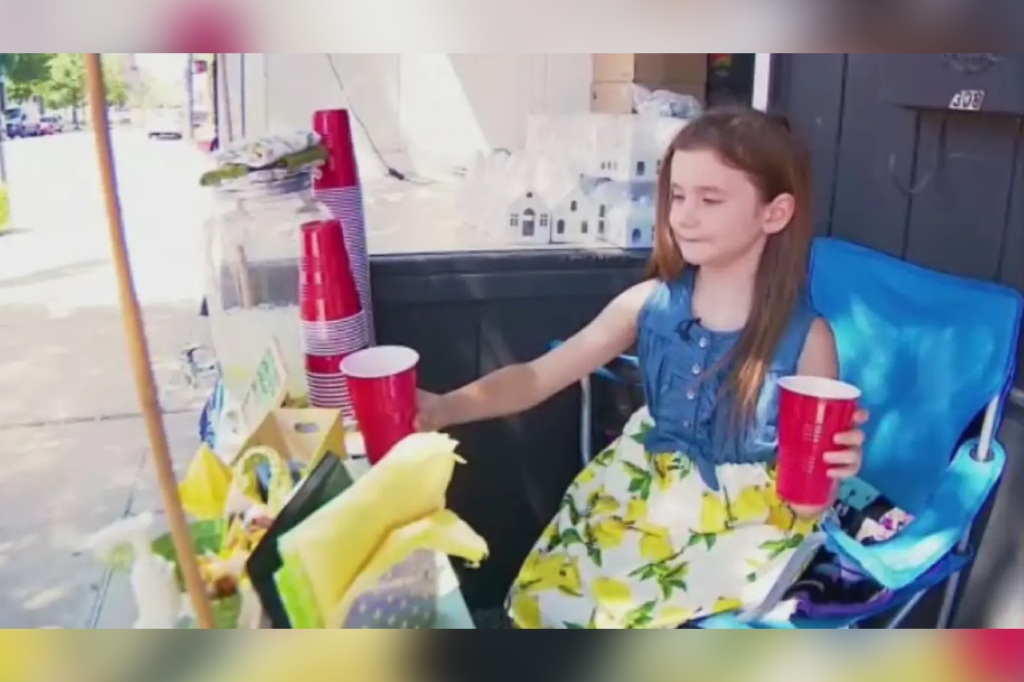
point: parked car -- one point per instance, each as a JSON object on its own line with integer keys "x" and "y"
{"x": 12, "y": 122}
{"x": 21, "y": 122}
{"x": 51, "y": 124}
{"x": 166, "y": 125}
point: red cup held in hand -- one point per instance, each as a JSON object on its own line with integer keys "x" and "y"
{"x": 382, "y": 384}
{"x": 812, "y": 412}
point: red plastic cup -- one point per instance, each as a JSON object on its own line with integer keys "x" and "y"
{"x": 812, "y": 411}
{"x": 335, "y": 129}
{"x": 382, "y": 384}
{"x": 324, "y": 364}
{"x": 327, "y": 289}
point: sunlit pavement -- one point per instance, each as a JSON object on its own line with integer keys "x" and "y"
{"x": 72, "y": 445}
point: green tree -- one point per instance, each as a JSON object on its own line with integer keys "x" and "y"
{"x": 66, "y": 86}
{"x": 26, "y": 74}
{"x": 114, "y": 70}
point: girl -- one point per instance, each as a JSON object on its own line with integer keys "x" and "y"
{"x": 679, "y": 518}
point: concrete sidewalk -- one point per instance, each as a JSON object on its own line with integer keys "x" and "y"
{"x": 73, "y": 447}
{"x": 66, "y": 481}
{"x": 75, "y": 454}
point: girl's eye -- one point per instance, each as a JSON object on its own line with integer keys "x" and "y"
{"x": 712, "y": 202}
{"x": 678, "y": 197}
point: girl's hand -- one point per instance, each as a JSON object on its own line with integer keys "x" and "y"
{"x": 846, "y": 462}
{"x": 429, "y": 412}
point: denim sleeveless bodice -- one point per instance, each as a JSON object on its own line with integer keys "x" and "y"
{"x": 684, "y": 366}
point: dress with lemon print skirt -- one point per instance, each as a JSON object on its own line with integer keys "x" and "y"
{"x": 679, "y": 518}
{"x": 641, "y": 541}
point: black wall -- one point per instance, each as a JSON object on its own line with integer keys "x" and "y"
{"x": 940, "y": 188}
{"x": 468, "y": 314}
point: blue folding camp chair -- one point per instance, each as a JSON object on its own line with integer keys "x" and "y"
{"x": 932, "y": 353}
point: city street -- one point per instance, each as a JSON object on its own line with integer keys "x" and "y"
{"x": 73, "y": 449}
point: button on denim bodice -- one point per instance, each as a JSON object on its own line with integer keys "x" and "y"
{"x": 684, "y": 366}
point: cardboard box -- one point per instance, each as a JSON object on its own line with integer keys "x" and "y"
{"x": 611, "y": 98}
{"x": 650, "y": 70}
{"x": 299, "y": 435}
{"x": 617, "y": 98}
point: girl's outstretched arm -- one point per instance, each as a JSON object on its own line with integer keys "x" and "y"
{"x": 519, "y": 387}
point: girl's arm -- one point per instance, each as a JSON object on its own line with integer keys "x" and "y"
{"x": 821, "y": 358}
{"x": 519, "y": 387}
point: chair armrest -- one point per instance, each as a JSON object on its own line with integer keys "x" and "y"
{"x": 724, "y": 621}
{"x": 604, "y": 372}
{"x": 732, "y": 621}
{"x": 933, "y": 534}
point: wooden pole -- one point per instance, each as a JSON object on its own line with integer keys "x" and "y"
{"x": 138, "y": 347}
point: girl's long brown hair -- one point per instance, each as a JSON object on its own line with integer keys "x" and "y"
{"x": 776, "y": 162}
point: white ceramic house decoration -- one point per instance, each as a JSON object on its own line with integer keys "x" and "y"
{"x": 630, "y": 225}
{"x": 575, "y": 218}
{"x": 529, "y": 219}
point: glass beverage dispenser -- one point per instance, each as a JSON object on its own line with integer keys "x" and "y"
{"x": 252, "y": 244}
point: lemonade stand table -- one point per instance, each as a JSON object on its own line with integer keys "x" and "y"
{"x": 452, "y": 612}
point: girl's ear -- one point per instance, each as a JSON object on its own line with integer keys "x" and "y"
{"x": 778, "y": 213}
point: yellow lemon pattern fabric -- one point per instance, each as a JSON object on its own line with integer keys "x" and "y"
{"x": 640, "y": 541}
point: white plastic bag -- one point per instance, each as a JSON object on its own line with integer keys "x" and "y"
{"x": 665, "y": 104}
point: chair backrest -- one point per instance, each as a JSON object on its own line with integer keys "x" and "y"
{"x": 929, "y": 351}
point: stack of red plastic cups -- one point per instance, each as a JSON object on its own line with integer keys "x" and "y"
{"x": 332, "y": 316}
{"x": 336, "y": 186}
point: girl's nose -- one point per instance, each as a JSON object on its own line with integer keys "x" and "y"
{"x": 685, "y": 215}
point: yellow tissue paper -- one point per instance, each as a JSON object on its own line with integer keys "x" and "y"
{"x": 204, "y": 490}
{"x": 441, "y": 531}
{"x": 355, "y": 533}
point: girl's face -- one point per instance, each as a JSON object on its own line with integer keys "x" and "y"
{"x": 716, "y": 214}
